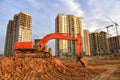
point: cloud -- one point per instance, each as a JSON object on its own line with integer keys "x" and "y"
{"x": 97, "y": 13}
{"x": 72, "y": 7}
{"x": 35, "y": 3}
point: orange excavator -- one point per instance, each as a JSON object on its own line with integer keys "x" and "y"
{"x": 26, "y": 49}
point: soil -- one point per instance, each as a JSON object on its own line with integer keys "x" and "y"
{"x": 13, "y": 68}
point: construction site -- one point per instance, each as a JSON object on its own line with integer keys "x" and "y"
{"x": 79, "y": 54}
{"x": 29, "y": 63}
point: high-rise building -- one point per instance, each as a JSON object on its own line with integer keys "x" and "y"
{"x": 9, "y": 38}
{"x": 104, "y": 43}
{"x": 99, "y": 43}
{"x": 18, "y": 29}
{"x": 87, "y": 42}
{"x": 24, "y": 26}
{"x": 114, "y": 44}
{"x": 93, "y": 43}
{"x": 67, "y": 24}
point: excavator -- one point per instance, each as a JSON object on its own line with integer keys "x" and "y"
{"x": 26, "y": 49}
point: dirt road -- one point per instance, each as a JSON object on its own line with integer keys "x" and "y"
{"x": 111, "y": 72}
{"x": 101, "y": 69}
{"x": 105, "y": 75}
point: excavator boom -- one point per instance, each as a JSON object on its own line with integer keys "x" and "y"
{"x": 63, "y": 36}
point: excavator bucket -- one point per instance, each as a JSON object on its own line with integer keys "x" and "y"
{"x": 83, "y": 61}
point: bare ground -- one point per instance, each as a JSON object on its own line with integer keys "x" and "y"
{"x": 58, "y": 69}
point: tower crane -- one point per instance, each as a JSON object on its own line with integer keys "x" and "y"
{"x": 114, "y": 24}
{"x": 107, "y": 27}
{"x": 99, "y": 29}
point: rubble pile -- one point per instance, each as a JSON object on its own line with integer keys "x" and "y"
{"x": 13, "y": 68}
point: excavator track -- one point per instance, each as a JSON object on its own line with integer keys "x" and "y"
{"x": 31, "y": 54}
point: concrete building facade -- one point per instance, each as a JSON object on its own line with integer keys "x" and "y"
{"x": 104, "y": 48}
{"x": 114, "y": 44}
{"x": 18, "y": 29}
{"x": 24, "y": 26}
{"x": 94, "y": 43}
{"x": 99, "y": 43}
{"x": 67, "y": 24}
{"x": 9, "y": 38}
{"x": 87, "y": 42}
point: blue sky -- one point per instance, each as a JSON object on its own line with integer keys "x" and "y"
{"x": 44, "y": 13}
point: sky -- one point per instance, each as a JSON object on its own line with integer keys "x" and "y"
{"x": 44, "y": 12}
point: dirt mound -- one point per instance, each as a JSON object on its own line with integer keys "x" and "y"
{"x": 12, "y": 68}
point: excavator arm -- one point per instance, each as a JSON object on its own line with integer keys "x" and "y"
{"x": 63, "y": 36}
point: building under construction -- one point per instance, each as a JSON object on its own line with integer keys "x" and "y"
{"x": 114, "y": 44}
{"x": 99, "y": 43}
{"x": 18, "y": 29}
